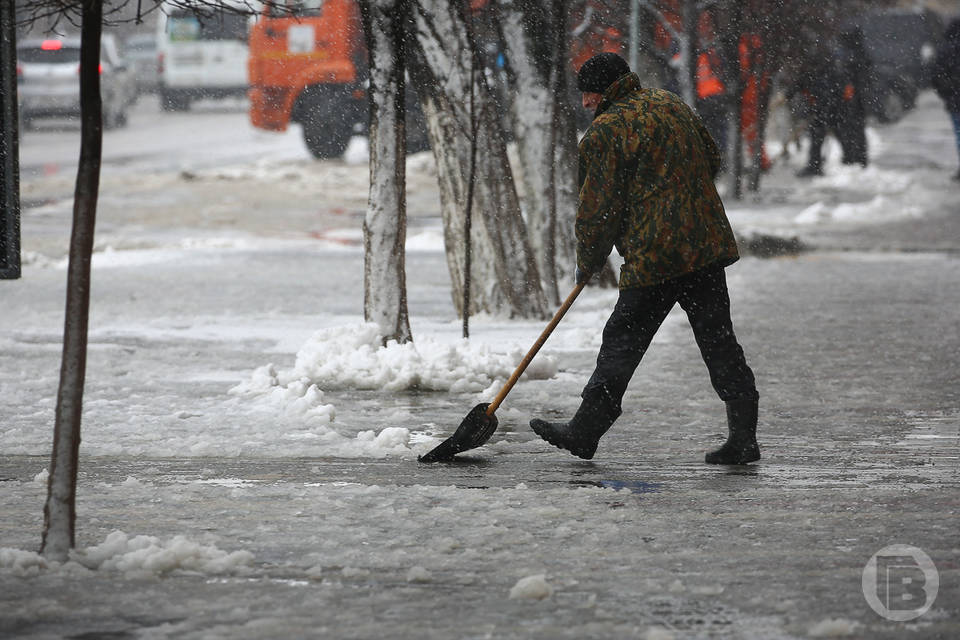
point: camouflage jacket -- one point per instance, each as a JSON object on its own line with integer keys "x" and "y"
{"x": 646, "y": 168}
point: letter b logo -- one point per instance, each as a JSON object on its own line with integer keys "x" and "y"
{"x": 900, "y": 582}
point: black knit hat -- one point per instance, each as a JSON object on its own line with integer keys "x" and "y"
{"x": 601, "y": 71}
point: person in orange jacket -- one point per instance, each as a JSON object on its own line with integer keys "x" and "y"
{"x": 751, "y": 50}
{"x": 712, "y": 94}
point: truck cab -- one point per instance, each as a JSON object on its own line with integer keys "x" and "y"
{"x": 308, "y": 65}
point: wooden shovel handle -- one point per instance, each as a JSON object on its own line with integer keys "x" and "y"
{"x": 534, "y": 349}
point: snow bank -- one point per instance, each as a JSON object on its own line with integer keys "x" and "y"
{"x": 878, "y": 208}
{"x": 119, "y": 552}
{"x": 21, "y": 563}
{"x": 353, "y": 357}
{"x": 288, "y": 395}
{"x": 136, "y": 555}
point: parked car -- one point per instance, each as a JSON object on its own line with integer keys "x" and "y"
{"x": 140, "y": 51}
{"x": 202, "y": 56}
{"x": 48, "y": 80}
{"x": 901, "y": 44}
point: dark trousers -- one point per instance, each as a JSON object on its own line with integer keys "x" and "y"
{"x": 818, "y": 127}
{"x": 637, "y": 317}
{"x": 852, "y": 132}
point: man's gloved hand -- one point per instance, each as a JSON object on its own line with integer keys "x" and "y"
{"x": 582, "y": 277}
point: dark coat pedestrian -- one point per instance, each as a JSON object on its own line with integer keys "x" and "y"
{"x": 647, "y": 168}
{"x": 820, "y": 85}
{"x": 855, "y": 70}
{"x": 945, "y": 76}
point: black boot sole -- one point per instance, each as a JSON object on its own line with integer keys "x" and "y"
{"x": 751, "y": 454}
{"x": 545, "y": 430}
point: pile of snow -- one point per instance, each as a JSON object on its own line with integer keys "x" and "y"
{"x": 120, "y": 552}
{"x": 418, "y": 574}
{"x": 354, "y": 357}
{"x": 290, "y": 396}
{"x": 136, "y": 555}
{"x": 875, "y": 209}
{"x": 531, "y": 588}
{"x": 834, "y": 628}
{"x": 21, "y": 563}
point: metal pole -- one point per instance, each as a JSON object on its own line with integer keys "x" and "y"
{"x": 9, "y": 146}
{"x": 634, "y": 34}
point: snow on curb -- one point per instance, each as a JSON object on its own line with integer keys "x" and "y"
{"x": 136, "y": 555}
{"x": 355, "y": 357}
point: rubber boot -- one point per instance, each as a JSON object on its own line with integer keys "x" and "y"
{"x": 741, "y": 446}
{"x": 810, "y": 171}
{"x": 581, "y": 435}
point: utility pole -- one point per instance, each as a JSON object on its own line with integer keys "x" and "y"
{"x": 9, "y": 146}
{"x": 634, "y": 34}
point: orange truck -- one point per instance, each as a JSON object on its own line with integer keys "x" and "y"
{"x": 308, "y": 65}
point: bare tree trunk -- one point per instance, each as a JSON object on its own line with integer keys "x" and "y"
{"x": 565, "y": 178}
{"x": 530, "y": 44}
{"x": 59, "y": 513}
{"x": 9, "y": 147}
{"x": 536, "y": 39}
{"x": 385, "y": 23}
{"x": 565, "y": 146}
{"x": 505, "y": 279}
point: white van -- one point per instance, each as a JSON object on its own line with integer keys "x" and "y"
{"x": 202, "y": 54}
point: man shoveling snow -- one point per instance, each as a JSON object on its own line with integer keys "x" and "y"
{"x": 647, "y": 168}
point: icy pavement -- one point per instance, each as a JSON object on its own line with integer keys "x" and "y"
{"x": 243, "y": 477}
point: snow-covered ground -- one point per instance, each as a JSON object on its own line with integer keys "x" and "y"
{"x": 248, "y": 449}
{"x": 315, "y": 352}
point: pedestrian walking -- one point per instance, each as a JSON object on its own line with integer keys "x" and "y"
{"x": 755, "y": 81}
{"x": 946, "y": 77}
{"x": 711, "y": 93}
{"x": 855, "y": 68}
{"x": 646, "y": 169}
{"x": 819, "y": 83}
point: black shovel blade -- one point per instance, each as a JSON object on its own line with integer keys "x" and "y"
{"x": 473, "y": 432}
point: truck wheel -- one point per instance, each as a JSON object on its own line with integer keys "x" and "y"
{"x": 174, "y": 101}
{"x": 325, "y": 140}
{"x": 327, "y": 114}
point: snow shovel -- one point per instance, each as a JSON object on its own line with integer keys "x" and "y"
{"x": 481, "y": 422}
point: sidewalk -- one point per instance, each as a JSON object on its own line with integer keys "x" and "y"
{"x": 216, "y": 514}
{"x": 859, "y": 428}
